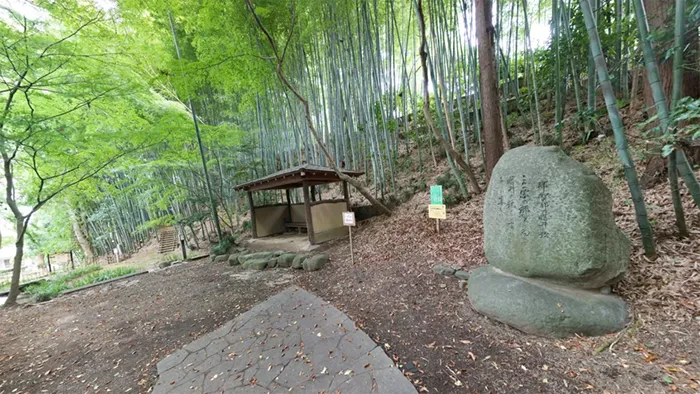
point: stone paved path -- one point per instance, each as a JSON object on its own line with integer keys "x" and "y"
{"x": 292, "y": 342}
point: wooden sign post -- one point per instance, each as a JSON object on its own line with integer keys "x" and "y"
{"x": 436, "y": 209}
{"x": 349, "y": 220}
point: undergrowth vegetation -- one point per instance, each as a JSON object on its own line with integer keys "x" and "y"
{"x": 80, "y": 277}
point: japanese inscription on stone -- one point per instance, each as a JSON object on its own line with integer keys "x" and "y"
{"x": 523, "y": 203}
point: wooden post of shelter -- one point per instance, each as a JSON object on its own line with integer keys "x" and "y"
{"x": 289, "y": 206}
{"x": 346, "y": 194}
{"x": 307, "y": 207}
{"x": 252, "y": 214}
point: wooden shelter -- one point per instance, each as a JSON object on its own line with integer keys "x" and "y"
{"x": 321, "y": 219}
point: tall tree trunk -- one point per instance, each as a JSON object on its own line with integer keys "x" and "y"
{"x": 426, "y": 102}
{"x": 20, "y": 227}
{"x": 82, "y": 238}
{"x": 619, "y": 131}
{"x": 493, "y": 137}
{"x": 655, "y": 81}
{"x": 659, "y": 18}
{"x": 659, "y": 97}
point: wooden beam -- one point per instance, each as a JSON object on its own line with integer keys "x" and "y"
{"x": 307, "y": 206}
{"x": 252, "y": 214}
{"x": 319, "y": 202}
{"x": 346, "y": 194}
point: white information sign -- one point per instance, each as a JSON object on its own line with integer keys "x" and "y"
{"x": 348, "y": 218}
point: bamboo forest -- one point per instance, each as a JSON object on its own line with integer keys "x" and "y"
{"x": 356, "y": 196}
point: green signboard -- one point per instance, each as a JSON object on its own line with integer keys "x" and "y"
{"x": 436, "y": 194}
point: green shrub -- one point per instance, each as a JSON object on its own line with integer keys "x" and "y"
{"x": 46, "y": 290}
{"x": 172, "y": 257}
{"x": 77, "y": 278}
{"x": 517, "y": 141}
{"x": 78, "y": 272}
{"x": 549, "y": 140}
{"x": 447, "y": 181}
{"x": 223, "y": 246}
{"x": 101, "y": 276}
{"x": 405, "y": 194}
{"x": 452, "y": 197}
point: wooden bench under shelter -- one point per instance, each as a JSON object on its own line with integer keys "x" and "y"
{"x": 322, "y": 220}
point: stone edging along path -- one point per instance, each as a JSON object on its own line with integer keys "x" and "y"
{"x": 294, "y": 342}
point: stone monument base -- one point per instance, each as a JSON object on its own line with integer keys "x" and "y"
{"x": 541, "y": 308}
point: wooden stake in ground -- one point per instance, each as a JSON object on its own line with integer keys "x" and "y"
{"x": 349, "y": 221}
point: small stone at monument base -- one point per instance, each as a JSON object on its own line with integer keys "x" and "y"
{"x": 545, "y": 309}
{"x": 256, "y": 264}
{"x": 443, "y": 270}
{"x": 463, "y": 284}
{"x": 286, "y": 260}
{"x": 223, "y": 257}
{"x": 315, "y": 263}
{"x": 462, "y": 274}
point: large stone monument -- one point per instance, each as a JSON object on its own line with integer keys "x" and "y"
{"x": 552, "y": 245}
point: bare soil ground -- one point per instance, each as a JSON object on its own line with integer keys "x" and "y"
{"x": 109, "y": 339}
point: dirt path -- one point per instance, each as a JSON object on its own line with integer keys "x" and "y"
{"x": 110, "y": 338}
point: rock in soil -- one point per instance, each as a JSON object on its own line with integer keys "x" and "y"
{"x": 299, "y": 261}
{"x": 443, "y": 270}
{"x": 165, "y": 264}
{"x": 315, "y": 263}
{"x": 286, "y": 260}
{"x": 272, "y": 263}
{"x": 220, "y": 258}
{"x": 233, "y": 259}
{"x": 464, "y": 275}
{"x": 256, "y": 264}
{"x": 541, "y": 308}
{"x": 259, "y": 255}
